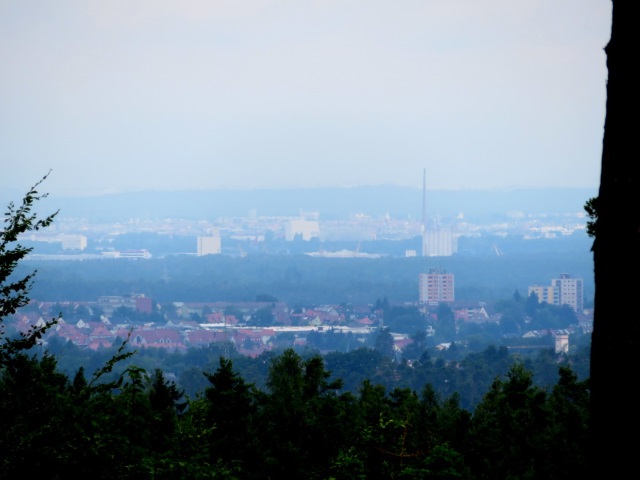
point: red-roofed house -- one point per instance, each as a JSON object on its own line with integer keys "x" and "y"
{"x": 160, "y": 338}
{"x": 365, "y": 321}
{"x": 71, "y": 333}
{"x": 100, "y": 333}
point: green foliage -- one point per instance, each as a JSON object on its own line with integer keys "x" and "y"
{"x": 403, "y": 319}
{"x": 417, "y": 347}
{"x": 445, "y": 329}
{"x": 301, "y": 426}
{"x": 265, "y": 297}
{"x": 263, "y": 317}
{"x": 591, "y": 207}
{"x": 520, "y": 431}
{"x": 14, "y": 291}
{"x": 301, "y": 417}
{"x": 228, "y": 412}
{"x": 384, "y": 343}
{"x": 34, "y": 410}
{"x": 514, "y": 313}
{"x": 532, "y": 304}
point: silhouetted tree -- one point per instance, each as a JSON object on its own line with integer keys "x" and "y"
{"x": 615, "y": 350}
{"x": 263, "y": 317}
{"x": 384, "y": 343}
{"x": 229, "y": 419}
{"x": 532, "y": 304}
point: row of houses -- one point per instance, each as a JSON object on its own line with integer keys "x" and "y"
{"x": 217, "y": 327}
{"x": 173, "y": 337}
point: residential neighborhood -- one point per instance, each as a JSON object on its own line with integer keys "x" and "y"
{"x": 253, "y": 327}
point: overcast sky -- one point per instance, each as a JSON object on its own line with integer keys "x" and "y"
{"x": 117, "y": 95}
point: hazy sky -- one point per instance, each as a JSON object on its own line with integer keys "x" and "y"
{"x": 156, "y": 94}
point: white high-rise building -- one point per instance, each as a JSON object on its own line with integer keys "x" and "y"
{"x": 210, "y": 245}
{"x": 568, "y": 291}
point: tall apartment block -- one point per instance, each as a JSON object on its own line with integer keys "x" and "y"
{"x": 436, "y": 286}
{"x": 563, "y": 290}
{"x": 569, "y": 291}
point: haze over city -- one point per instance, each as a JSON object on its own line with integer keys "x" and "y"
{"x": 160, "y": 95}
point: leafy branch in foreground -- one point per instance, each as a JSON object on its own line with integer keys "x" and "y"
{"x": 119, "y": 356}
{"x": 14, "y": 292}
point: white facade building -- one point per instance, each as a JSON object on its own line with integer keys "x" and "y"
{"x": 73, "y": 242}
{"x": 437, "y": 243}
{"x": 210, "y": 245}
{"x": 568, "y": 291}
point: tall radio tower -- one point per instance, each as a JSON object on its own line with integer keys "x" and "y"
{"x": 424, "y": 199}
{"x": 436, "y": 241}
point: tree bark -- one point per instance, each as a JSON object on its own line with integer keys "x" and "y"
{"x": 615, "y": 345}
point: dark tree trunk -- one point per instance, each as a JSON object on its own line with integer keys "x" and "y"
{"x": 615, "y": 346}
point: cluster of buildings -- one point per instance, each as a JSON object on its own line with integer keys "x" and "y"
{"x": 437, "y": 238}
{"x": 183, "y": 330}
{"x": 563, "y": 290}
{"x": 200, "y": 325}
{"x": 438, "y": 286}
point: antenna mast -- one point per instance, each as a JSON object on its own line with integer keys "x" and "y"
{"x": 424, "y": 199}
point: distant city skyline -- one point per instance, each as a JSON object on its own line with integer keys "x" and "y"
{"x": 162, "y": 95}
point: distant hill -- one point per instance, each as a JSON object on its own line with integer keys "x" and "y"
{"x": 331, "y": 203}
